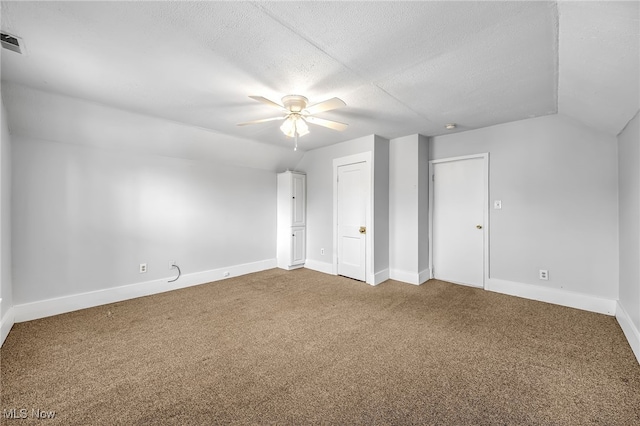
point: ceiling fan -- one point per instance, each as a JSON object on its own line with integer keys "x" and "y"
{"x": 297, "y": 114}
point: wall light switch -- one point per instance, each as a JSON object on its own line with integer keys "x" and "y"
{"x": 497, "y": 204}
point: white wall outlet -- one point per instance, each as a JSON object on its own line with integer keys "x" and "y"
{"x": 172, "y": 263}
{"x": 322, "y": 252}
{"x": 497, "y": 204}
{"x": 226, "y": 273}
{"x": 143, "y": 268}
{"x": 544, "y": 274}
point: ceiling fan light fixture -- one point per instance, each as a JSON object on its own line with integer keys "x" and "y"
{"x": 298, "y": 115}
{"x": 294, "y": 125}
{"x": 301, "y": 127}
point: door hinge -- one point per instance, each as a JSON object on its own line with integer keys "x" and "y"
{"x": 433, "y": 178}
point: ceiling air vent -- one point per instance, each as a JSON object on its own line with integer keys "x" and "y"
{"x": 11, "y": 42}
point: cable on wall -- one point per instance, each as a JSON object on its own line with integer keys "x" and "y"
{"x": 179, "y": 273}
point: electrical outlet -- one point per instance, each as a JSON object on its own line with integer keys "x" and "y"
{"x": 544, "y": 275}
{"x": 172, "y": 263}
{"x": 226, "y": 274}
{"x": 322, "y": 252}
{"x": 143, "y": 268}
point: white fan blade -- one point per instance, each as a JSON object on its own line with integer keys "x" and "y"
{"x": 327, "y": 105}
{"x": 335, "y": 125}
{"x": 264, "y": 120}
{"x": 268, "y": 102}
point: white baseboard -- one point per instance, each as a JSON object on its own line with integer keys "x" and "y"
{"x": 424, "y": 276}
{"x": 327, "y": 268}
{"x": 6, "y": 322}
{"x": 629, "y": 329}
{"x": 60, "y": 305}
{"x": 324, "y": 267}
{"x": 380, "y": 277}
{"x": 551, "y": 295}
{"x": 410, "y": 277}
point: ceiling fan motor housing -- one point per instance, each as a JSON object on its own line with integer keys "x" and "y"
{"x": 295, "y": 103}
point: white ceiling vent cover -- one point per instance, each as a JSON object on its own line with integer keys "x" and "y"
{"x": 12, "y": 42}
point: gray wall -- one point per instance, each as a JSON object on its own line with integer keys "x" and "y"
{"x": 408, "y": 208}
{"x": 557, "y": 180}
{"x": 85, "y": 217}
{"x": 5, "y": 217}
{"x": 381, "y": 204}
{"x": 629, "y": 181}
{"x": 318, "y": 165}
{"x": 423, "y": 203}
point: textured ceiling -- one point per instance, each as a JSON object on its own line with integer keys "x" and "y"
{"x": 402, "y": 67}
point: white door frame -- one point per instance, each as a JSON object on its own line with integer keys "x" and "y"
{"x": 364, "y": 157}
{"x": 485, "y": 228}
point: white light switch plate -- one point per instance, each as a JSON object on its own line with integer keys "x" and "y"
{"x": 497, "y": 204}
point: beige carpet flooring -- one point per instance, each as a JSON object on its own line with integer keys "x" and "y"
{"x": 302, "y": 347}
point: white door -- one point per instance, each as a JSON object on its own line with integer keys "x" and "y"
{"x": 298, "y": 247}
{"x": 458, "y": 221}
{"x": 352, "y": 198}
{"x": 298, "y": 182}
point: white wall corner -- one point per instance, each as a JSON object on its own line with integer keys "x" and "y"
{"x": 74, "y": 302}
{"x": 629, "y": 329}
{"x": 379, "y": 277}
{"x": 324, "y": 267}
{"x": 6, "y": 323}
{"x": 551, "y": 295}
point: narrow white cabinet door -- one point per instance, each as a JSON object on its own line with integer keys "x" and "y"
{"x": 299, "y": 202}
{"x": 298, "y": 246}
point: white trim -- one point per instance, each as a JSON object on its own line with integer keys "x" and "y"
{"x": 324, "y": 267}
{"x": 6, "y": 323}
{"x": 380, "y": 277}
{"x": 629, "y": 329}
{"x": 410, "y": 277}
{"x": 403, "y": 276}
{"x": 552, "y": 295}
{"x": 485, "y": 157}
{"x": 363, "y": 157}
{"x": 424, "y": 276}
{"x": 60, "y": 305}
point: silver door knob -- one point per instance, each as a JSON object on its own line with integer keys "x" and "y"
{"x": 479, "y": 226}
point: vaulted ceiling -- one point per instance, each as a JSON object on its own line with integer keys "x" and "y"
{"x": 402, "y": 68}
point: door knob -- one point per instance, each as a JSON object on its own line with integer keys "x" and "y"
{"x": 363, "y": 230}
{"x": 479, "y": 226}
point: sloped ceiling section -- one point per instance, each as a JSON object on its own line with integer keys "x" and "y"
{"x": 57, "y": 118}
{"x": 600, "y": 63}
{"x": 402, "y": 67}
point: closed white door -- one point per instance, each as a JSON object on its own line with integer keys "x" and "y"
{"x": 458, "y": 221}
{"x": 298, "y": 248}
{"x": 298, "y": 182}
{"x": 352, "y": 232}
